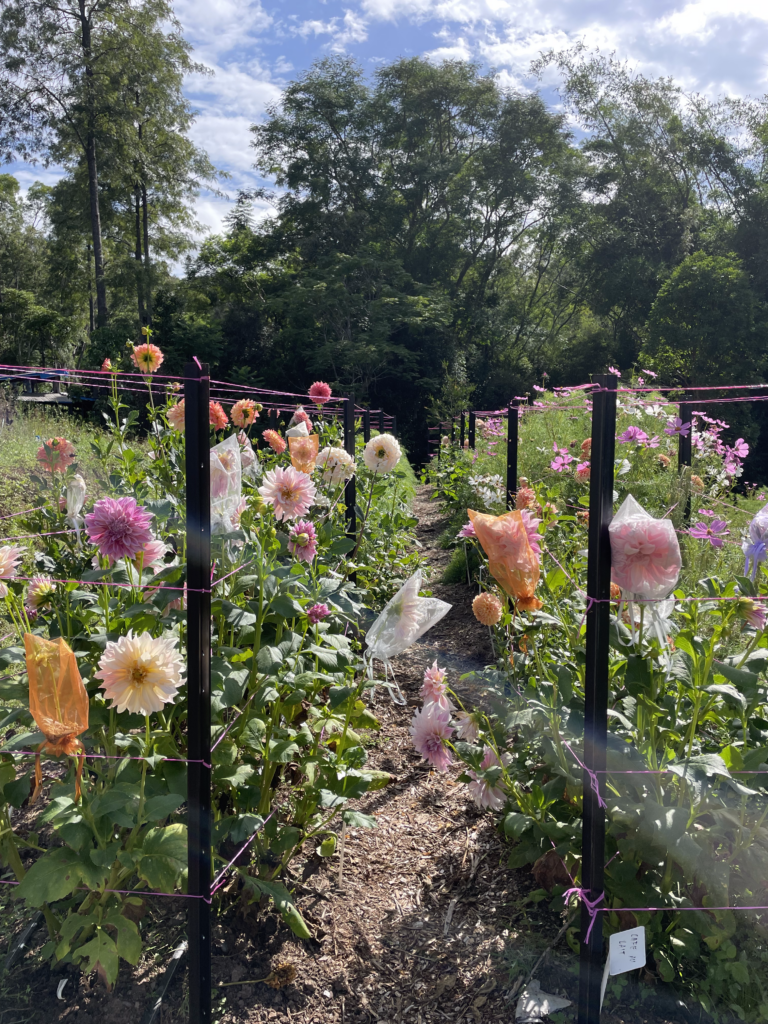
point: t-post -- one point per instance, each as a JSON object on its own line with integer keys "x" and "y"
{"x": 367, "y": 425}
{"x": 512, "y": 441}
{"x": 472, "y": 421}
{"x": 685, "y": 451}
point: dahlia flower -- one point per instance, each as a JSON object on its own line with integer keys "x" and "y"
{"x": 275, "y": 441}
{"x": 236, "y": 516}
{"x": 106, "y": 366}
{"x": 429, "y": 730}
{"x": 531, "y": 524}
{"x": 176, "y": 416}
{"x": 434, "y": 688}
{"x": 153, "y": 552}
{"x": 696, "y": 482}
{"x": 288, "y": 491}
{"x": 317, "y": 613}
{"x": 119, "y": 527}
{"x": 382, "y": 454}
{"x": 582, "y": 471}
{"x": 467, "y": 530}
{"x": 645, "y": 554}
{"x": 320, "y": 392}
{"x": 147, "y": 357}
{"x": 55, "y": 454}
{"x": 39, "y": 590}
{"x": 217, "y": 417}
{"x": 586, "y": 447}
{"x": 302, "y": 540}
{"x": 9, "y": 559}
{"x": 525, "y": 497}
{"x": 483, "y": 793}
{"x": 140, "y": 673}
{"x": 300, "y": 416}
{"x": 467, "y": 726}
{"x": 487, "y": 608}
{"x": 337, "y": 465}
{"x": 244, "y": 412}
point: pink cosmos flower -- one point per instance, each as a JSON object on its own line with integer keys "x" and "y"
{"x": 677, "y": 427}
{"x": 482, "y": 792}
{"x": 275, "y": 441}
{"x": 467, "y": 530}
{"x": 289, "y": 491}
{"x": 582, "y": 471}
{"x": 119, "y": 527}
{"x": 614, "y": 371}
{"x": 713, "y": 531}
{"x": 147, "y": 357}
{"x": 320, "y": 392}
{"x": 429, "y": 730}
{"x": 632, "y": 435}
{"x": 740, "y": 449}
{"x": 244, "y": 412}
{"x": 434, "y": 688}
{"x": 176, "y": 416}
{"x": 467, "y": 727}
{"x": 302, "y": 541}
{"x": 317, "y": 613}
{"x": 649, "y": 373}
{"x": 56, "y": 454}
{"x": 218, "y": 418}
{"x": 653, "y": 442}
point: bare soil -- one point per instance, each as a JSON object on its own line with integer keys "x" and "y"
{"x": 425, "y": 923}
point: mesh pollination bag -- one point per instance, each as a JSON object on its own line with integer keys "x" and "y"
{"x": 226, "y": 483}
{"x": 754, "y": 544}
{"x": 58, "y": 702}
{"x": 304, "y": 452}
{"x": 645, "y": 561}
{"x": 402, "y": 621}
{"x": 511, "y": 560}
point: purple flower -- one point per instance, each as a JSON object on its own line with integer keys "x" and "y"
{"x": 706, "y": 512}
{"x": 752, "y": 613}
{"x": 613, "y": 370}
{"x": 740, "y": 449}
{"x": 652, "y": 442}
{"x": 713, "y": 531}
{"x": 302, "y": 540}
{"x": 467, "y": 530}
{"x": 561, "y": 463}
{"x": 650, "y": 373}
{"x": 317, "y": 613}
{"x": 676, "y": 426}
{"x": 632, "y": 435}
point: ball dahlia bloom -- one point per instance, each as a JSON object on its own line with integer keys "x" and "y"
{"x": 244, "y": 412}
{"x": 429, "y": 731}
{"x": 147, "y": 357}
{"x": 481, "y": 791}
{"x": 525, "y": 497}
{"x": 487, "y": 608}
{"x": 337, "y": 465}
{"x": 175, "y": 416}
{"x": 217, "y": 417}
{"x": 55, "y": 454}
{"x": 434, "y": 689}
{"x": 645, "y": 554}
{"x": 119, "y": 527}
{"x": 9, "y": 559}
{"x": 382, "y": 454}
{"x": 141, "y": 673}
{"x": 288, "y": 491}
{"x": 317, "y": 613}
{"x": 275, "y": 441}
{"x": 320, "y": 392}
{"x": 302, "y": 541}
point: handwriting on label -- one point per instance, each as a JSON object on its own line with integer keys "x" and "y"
{"x": 627, "y": 950}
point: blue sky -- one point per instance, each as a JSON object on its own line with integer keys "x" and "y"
{"x": 255, "y": 47}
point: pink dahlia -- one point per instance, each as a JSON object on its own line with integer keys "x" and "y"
{"x": 434, "y": 688}
{"x": 482, "y": 792}
{"x": 218, "y": 418}
{"x": 531, "y": 524}
{"x": 9, "y": 559}
{"x": 147, "y": 357}
{"x": 176, "y": 416}
{"x": 429, "y": 730}
{"x": 275, "y": 441}
{"x": 288, "y": 491}
{"x": 119, "y": 527}
{"x": 152, "y": 555}
{"x": 40, "y": 589}
{"x": 320, "y": 392}
{"x": 302, "y": 541}
{"x": 467, "y": 530}
{"x": 244, "y": 413}
{"x": 467, "y": 726}
{"x": 55, "y": 454}
{"x": 106, "y": 366}
{"x": 317, "y": 613}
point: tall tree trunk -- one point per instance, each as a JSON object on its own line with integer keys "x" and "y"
{"x": 102, "y": 312}
{"x": 90, "y": 291}
{"x": 147, "y": 264}
{"x": 139, "y": 265}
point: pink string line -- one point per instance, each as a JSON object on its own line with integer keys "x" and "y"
{"x": 591, "y": 905}
{"x": 131, "y": 892}
{"x": 104, "y": 757}
{"x": 108, "y": 583}
{"x": 222, "y": 578}
{"x": 25, "y": 536}
{"x": 219, "y": 879}
{"x": 594, "y": 784}
{"x": 26, "y": 512}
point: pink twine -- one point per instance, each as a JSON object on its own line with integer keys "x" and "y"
{"x": 106, "y": 757}
{"x": 591, "y": 905}
{"x": 24, "y": 513}
{"x": 132, "y": 892}
{"x": 594, "y": 785}
{"x": 219, "y": 879}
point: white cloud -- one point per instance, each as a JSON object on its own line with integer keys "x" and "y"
{"x": 350, "y": 29}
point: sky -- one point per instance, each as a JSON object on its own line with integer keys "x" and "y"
{"x": 255, "y": 47}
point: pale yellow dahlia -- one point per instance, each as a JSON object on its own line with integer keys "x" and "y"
{"x": 141, "y": 673}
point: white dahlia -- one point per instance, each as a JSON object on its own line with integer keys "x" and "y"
{"x": 382, "y": 454}
{"x": 337, "y": 465}
{"x": 141, "y": 673}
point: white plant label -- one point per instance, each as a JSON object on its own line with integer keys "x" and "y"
{"x": 627, "y": 950}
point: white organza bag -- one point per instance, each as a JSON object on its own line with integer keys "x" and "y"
{"x": 403, "y": 620}
{"x": 754, "y": 545}
{"x": 298, "y": 430}
{"x": 226, "y": 484}
{"x": 250, "y": 466}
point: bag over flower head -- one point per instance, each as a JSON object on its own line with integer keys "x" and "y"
{"x": 226, "y": 483}
{"x": 645, "y": 554}
{"x": 754, "y": 545}
{"x": 512, "y": 561}
{"x": 304, "y": 452}
{"x": 58, "y": 701}
{"x": 402, "y": 621}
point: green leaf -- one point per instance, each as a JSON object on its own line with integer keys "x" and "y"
{"x": 342, "y": 545}
{"x": 234, "y": 775}
{"x": 282, "y": 751}
{"x": 128, "y": 937}
{"x": 286, "y": 606}
{"x": 283, "y": 902}
{"x": 52, "y": 877}
{"x": 163, "y": 857}
{"x": 729, "y": 693}
{"x": 245, "y": 826}
{"x": 516, "y": 824}
{"x": 683, "y": 644}
{"x": 269, "y": 659}
{"x": 338, "y": 694}
{"x": 16, "y": 792}
{"x": 356, "y": 819}
{"x": 101, "y": 954}
{"x": 161, "y": 806}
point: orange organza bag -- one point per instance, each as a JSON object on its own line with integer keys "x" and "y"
{"x": 304, "y": 452}
{"x": 58, "y": 702}
{"x": 511, "y": 559}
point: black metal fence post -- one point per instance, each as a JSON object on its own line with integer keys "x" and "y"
{"x": 198, "y": 481}
{"x": 453, "y": 429}
{"x": 685, "y": 452}
{"x": 596, "y": 689}
{"x": 461, "y": 433}
{"x": 273, "y": 419}
{"x": 350, "y": 490}
{"x": 367, "y": 426}
{"x": 512, "y": 436}
{"x": 472, "y": 421}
